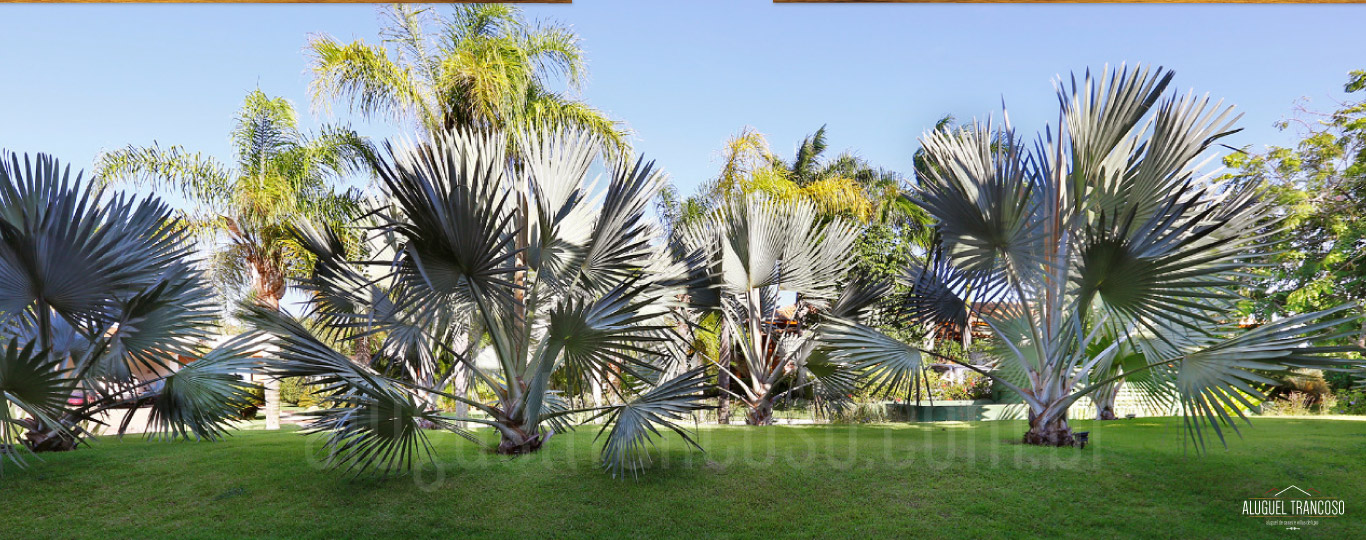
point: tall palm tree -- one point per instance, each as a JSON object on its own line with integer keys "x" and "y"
{"x": 847, "y": 186}
{"x": 1107, "y": 232}
{"x": 281, "y": 174}
{"x": 572, "y": 288}
{"x": 100, "y": 300}
{"x": 482, "y": 67}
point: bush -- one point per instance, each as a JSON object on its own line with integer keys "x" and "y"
{"x": 256, "y": 397}
{"x": 292, "y": 389}
{"x": 863, "y": 410}
{"x": 972, "y": 386}
{"x": 1350, "y": 402}
{"x": 308, "y": 399}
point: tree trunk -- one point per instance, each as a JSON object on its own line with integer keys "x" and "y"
{"x": 461, "y": 388}
{"x": 515, "y": 440}
{"x": 1104, "y": 399}
{"x": 595, "y": 388}
{"x": 269, "y": 287}
{"x": 272, "y": 392}
{"x": 43, "y": 438}
{"x": 723, "y": 351}
{"x": 1049, "y": 430}
{"x": 760, "y": 413}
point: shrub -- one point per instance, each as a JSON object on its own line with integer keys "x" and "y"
{"x": 291, "y": 390}
{"x": 972, "y": 386}
{"x": 256, "y": 397}
{"x": 1290, "y": 404}
{"x": 863, "y": 410}
{"x": 1350, "y": 402}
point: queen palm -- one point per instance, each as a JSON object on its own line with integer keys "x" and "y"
{"x": 482, "y": 67}
{"x": 572, "y": 288}
{"x": 281, "y": 174}
{"x": 1109, "y": 233}
{"x": 100, "y": 299}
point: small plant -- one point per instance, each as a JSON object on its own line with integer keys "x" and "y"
{"x": 292, "y": 389}
{"x": 970, "y": 386}
{"x": 1350, "y": 402}
{"x": 1292, "y": 404}
{"x": 252, "y": 402}
{"x": 862, "y": 410}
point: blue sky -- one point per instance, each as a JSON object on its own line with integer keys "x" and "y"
{"x": 684, "y": 75}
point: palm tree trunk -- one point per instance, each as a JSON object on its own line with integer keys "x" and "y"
{"x": 760, "y": 413}
{"x": 269, "y": 288}
{"x": 595, "y": 385}
{"x": 1104, "y": 398}
{"x": 723, "y": 352}
{"x": 1049, "y": 429}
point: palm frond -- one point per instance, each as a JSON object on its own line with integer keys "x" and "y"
{"x": 634, "y": 424}
{"x": 200, "y": 399}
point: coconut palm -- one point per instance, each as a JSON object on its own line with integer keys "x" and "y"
{"x": 482, "y": 67}
{"x": 571, "y": 288}
{"x": 1108, "y": 231}
{"x": 100, "y": 304}
{"x": 281, "y": 174}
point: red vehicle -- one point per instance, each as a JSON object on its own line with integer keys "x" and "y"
{"x": 79, "y": 398}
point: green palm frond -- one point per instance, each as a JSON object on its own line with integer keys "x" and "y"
{"x": 200, "y": 399}
{"x": 634, "y": 424}
{"x": 32, "y": 382}
{"x": 888, "y": 366}
{"x": 1214, "y": 380}
{"x": 368, "y": 80}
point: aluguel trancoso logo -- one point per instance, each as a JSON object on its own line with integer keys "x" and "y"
{"x": 1293, "y": 507}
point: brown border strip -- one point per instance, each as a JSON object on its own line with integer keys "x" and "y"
{"x": 283, "y": 1}
{"x": 1069, "y": 1}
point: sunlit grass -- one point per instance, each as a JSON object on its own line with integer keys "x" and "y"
{"x": 951, "y": 480}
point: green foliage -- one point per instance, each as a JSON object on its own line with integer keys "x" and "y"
{"x": 292, "y": 389}
{"x": 1350, "y": 402}
{"x": 971, "y": 386}
{"x": 863, "y": 409}
{"x": 280, "y": 174}
{"x": 483, "y": 66}
{"x": 98, "y": 295}
{"x": 1318, "y": 185}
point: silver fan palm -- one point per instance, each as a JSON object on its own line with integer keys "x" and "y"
{"x": 1108, "y": 232}
{"x": 759, "y": 250}
{"x": 100, "y": 299}
{"x": 520, "y": 257}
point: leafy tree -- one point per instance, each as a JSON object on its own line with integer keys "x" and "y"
{"x": 482, "y": 67}
{"x": 1107, "y": 231}
{"x": 571, "y": 288}
{"x": 1317, "y": 186}
{"x": 281, "y": 175}
{"x": 100, "y": 304}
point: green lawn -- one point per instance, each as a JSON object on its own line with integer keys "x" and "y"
{"x": 929, "y": 480}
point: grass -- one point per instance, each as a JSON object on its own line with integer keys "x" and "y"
{"x": 960, "y": 480}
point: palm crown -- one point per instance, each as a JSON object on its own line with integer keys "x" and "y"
{"x": 519, "y": 257}
{"x": 480, "y": 68}
{"x": 1109, "y": 233}
{"x": 99, "y": 298}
